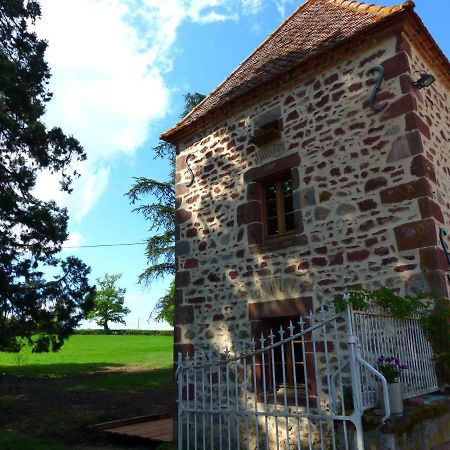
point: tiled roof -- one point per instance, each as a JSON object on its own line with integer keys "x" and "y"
{"x": 312, "y": 28}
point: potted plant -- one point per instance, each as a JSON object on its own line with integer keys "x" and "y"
{"x": 391, "y": 368}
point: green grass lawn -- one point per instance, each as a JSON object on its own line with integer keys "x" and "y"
{"x": 130, "y": 380}
{"x": 84, "y": 354}
{"x": 9, "y": 441}
{"x": 48, "y": 401}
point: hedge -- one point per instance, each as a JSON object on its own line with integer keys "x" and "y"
{"x": 126, "y": 332}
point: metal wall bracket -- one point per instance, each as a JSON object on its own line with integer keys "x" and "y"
{"x": 372, "y": 105}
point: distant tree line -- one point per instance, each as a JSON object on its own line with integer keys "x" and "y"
{"x": 91, "y": 332}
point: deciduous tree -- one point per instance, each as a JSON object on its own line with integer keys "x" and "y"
{"x": 109, "y": 302}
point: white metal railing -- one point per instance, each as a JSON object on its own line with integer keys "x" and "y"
{"x": 381, "y": 334}
{"x": 292, "y": 389}
{"x": 286, "y": 391}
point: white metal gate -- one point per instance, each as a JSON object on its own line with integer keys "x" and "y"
{"x": 296, "y": 388}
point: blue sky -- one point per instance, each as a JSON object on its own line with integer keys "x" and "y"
{"x": 120, "y": 70}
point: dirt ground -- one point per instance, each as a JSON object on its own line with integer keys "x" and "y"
{"x": 59, "y": 410}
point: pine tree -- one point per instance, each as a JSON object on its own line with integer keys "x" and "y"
{"x": 41, "y": 312}
{"x": 160, "y": 248}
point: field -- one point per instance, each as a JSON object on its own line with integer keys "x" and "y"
{"x": 49, "y": 400}
{"x": 84, "y": 354}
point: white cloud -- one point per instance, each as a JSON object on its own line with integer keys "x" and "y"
{"x": 251, "y": 6}
{"x": 108, "y": 60}
{"x": 74, "y": 240}
{"x": 86, "y": 190}
{"x": 281, "y": 6}
{"x": 94, "y": 183}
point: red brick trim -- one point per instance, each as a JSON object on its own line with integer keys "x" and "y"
{"x": 184, "y": 315}
{"x": 183, "y": 349}
{"x": 182, "y": 216}
{"x": 435, "y": 267}
{"x": 280, "y": 308}
{"x": 437, "y": 284}
{"x": 433, "y": 258}
{"x": 407, "y": 191}
{"x": 403, "y": 44}
{"x": 396, "y": 66}
{"x": 401, "y": 106}
{"x": 422, "y": 167}
{"x": 429, "y": 208}
{"x": 182, "y": 278}
{"x": 261, "y": 246}
{"x": 177, "y": 334}
{"x": 418, "y": 234}
{"x": 249, "y": 213}
{"x": 414, "y": 122}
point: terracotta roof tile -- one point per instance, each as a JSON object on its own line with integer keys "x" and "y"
{"x": 313, "y": 27}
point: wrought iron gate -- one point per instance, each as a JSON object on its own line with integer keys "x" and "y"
{"x": 297, "y": 388}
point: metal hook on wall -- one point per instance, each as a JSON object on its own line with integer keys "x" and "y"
{"x": 377, "y": 87}
{"x": 190, "y": 170}
{"x": 442, "y": 234}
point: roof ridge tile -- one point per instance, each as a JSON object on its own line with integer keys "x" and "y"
{"x": 371, "y": 8}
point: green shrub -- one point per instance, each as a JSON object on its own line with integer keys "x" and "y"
{"x": 88, "y": 332}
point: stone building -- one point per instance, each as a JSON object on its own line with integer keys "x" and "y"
{"x": 318, "y": 165}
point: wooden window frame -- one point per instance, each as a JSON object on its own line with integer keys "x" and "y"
{"x": 278, "y": 181}
{"x": 253, "y": 218}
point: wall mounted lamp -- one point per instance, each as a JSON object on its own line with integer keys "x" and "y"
{"x": 424, "y": 81}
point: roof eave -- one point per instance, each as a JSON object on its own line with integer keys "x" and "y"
{"x": 432, "y": 53}
{"x": 182, "y": 132}
{"x": 390, "y": 25}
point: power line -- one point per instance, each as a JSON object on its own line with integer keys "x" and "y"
{"x": 104, "y": 245}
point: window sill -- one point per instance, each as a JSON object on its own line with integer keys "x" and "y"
{"x": 279, "y": 242}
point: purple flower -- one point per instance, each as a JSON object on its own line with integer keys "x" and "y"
{"x": 404, "y": 366}
{"x": 381, "y": 359}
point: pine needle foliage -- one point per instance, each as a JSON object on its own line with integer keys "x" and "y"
{"x": 160, "y": 215}
{"x": 35, "y": 309}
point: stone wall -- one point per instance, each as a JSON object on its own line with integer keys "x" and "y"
{"x": 362, "y": 198}
{"x": 431, "y": 121}
{"x": 423, "y": 428}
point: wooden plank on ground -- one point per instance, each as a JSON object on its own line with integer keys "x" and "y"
{"x": 155, "y": 430}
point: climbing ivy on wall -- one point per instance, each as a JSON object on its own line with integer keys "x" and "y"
{"x": 396, "y": 305}
{"x": 434, "y": 315}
